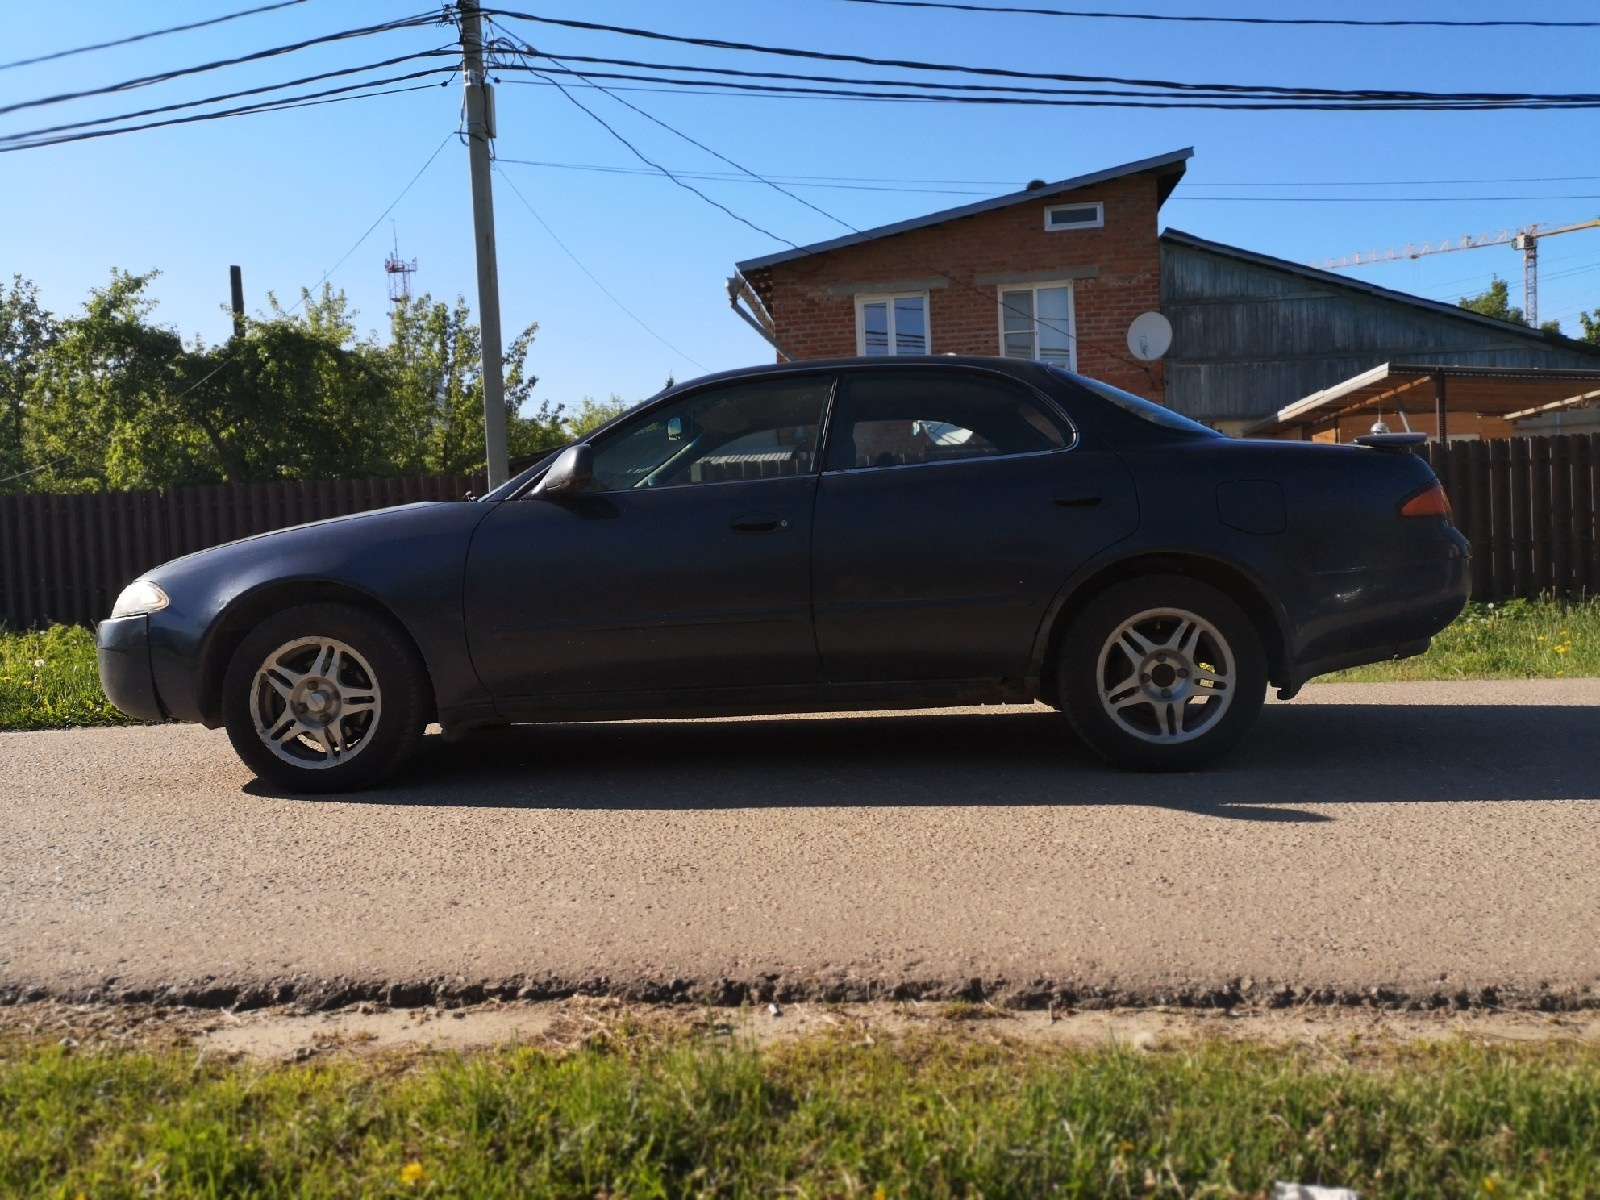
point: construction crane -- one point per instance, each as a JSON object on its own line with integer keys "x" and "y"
{"x": 1525, "y": 239}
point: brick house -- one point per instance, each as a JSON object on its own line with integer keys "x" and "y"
{"x": 1057, "y": 272}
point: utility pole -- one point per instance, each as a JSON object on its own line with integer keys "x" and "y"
{"x": 480, "y": 131}
{"x": 236, "y": 287}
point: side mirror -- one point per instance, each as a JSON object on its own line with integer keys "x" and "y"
{"x": 570, "y": 473}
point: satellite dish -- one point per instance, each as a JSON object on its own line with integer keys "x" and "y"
{"x": 1150, "y": 336}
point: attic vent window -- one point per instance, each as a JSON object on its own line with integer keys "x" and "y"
{"x": 1075, "y": 216}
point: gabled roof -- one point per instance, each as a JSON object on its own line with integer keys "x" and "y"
{"x": 1169, "y": 168}
{"x": 1177, "y": 237}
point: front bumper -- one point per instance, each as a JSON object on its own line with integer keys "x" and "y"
{"x": 123, "y": 649}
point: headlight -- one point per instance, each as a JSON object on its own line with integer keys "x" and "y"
{"x": 139, "y": 597}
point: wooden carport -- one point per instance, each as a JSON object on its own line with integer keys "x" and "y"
{"x": 1440, "y": 401}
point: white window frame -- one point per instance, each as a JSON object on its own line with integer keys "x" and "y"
{"x": 1036, "y": 288}
{"x": 1098, "y": 222}
{"x": 888, "y": 299}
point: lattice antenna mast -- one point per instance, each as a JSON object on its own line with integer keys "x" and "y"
{"x": 400, "y": 273}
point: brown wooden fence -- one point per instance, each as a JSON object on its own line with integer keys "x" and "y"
{"x": 65, "y": 558}
{"x": 1529, "y": 508}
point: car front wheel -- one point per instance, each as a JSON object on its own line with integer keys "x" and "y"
{"x": 1162, "y": 673}
{"x": 324, "y": 698}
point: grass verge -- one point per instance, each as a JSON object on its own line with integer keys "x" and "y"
{"x": 1519, "y": 639}
{"x": 50, "y": 680}
{"x": 634, "y": 1114}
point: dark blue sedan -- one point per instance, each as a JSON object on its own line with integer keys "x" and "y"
{"x": 844, "y": 535}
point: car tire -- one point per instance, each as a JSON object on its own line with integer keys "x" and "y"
{"x": 324, "y": 698}
{"x": 1161, "y": 673}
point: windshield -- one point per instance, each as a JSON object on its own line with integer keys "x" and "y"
{"x": 1137, "y": 406}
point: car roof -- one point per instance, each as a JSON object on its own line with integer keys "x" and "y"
{"x": 1023, "y": 369}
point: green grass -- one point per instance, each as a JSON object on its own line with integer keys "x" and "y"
{"x": 1519, "y": 639}
{"x": 932, "y": 1116}
{"x": 49, "y": 680}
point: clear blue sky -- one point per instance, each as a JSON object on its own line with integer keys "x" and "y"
{"x": 287, "y": 194}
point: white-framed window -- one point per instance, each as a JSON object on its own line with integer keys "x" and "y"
{"x": 1036, "y": 322}
{"x": 1089, "y": 214}
{"x": 892, "y": 324}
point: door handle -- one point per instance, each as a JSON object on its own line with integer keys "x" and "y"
{"x": 1085, "y": 500}
{"x": 759, "y": 523}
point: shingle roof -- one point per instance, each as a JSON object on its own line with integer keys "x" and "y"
{"x": 1170, "y": 167}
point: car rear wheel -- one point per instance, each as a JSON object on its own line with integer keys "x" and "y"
{"x": 324, "y": 698}
{"x": 1162, "y": 673}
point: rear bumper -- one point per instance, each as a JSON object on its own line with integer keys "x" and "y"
{"x": 1385, "y": 612}
{"x": 123, "y": 649}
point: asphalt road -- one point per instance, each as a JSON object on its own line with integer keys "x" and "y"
{"x": 1423, "y": 838}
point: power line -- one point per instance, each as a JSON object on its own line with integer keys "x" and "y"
{"x": 733, "y": 177}
{"x": 306, "y": 292}
{"x": 272, "y": 87}
{"x": 1037, "y": 320}
{"x": 601, "y": 121}
{"x": 218, "y": 64}
{"x": 144, "y": 37}
{"x": 637, "y": 320}
{"x": 1159, "y": 85}
{"x": 1070, "y": 99}
{"x": 1353, "y": 22}
{"x": 307, "y": 100}
{"x": 983, "y": 187}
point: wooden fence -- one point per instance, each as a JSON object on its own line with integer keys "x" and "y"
{"x": 64, "y": 558}
{"x": 1528, "y": 505}
{"x": 1529, "y": 508}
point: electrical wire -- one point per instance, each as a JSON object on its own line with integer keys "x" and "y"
{"x": 955, "y": 278}
{"x": 601, "y": 121}
{"x": 567, "y": 250}
{"x": 218, "y": 64}
{"x": 308, "y": 100}
{"x": 1351, "y": 22}
{"x": 731, "y": 177}
{"x": 305, "y": 293}
{"x": 272, "y": 87}
{"x": 144, "y": 37}
{"x": 1159, "y": 85}
{"x": 984, "y": 187}
{"x": 1093, "y": 98}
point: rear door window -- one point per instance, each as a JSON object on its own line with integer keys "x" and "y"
{"x": 896, "y": 419}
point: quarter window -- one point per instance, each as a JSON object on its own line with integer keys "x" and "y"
{"x": 1038, "y": 323}
{"x": 892, "y": 324}
{"x": 893, "y": 419}
{"x": 738, "y": 431}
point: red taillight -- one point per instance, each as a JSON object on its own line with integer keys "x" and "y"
{"x": 1430, "y": 502}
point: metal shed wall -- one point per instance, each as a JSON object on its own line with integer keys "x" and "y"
{"x": 1253, "y": 334}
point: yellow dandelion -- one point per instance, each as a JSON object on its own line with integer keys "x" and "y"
{"x": 411, "y": 1173}
{"x": 1126, "y": 1148}
{"x": 1490, "y": 1186}
{"x": 1564, "y": 633}
{"x": 1563, "y": 649}
{"x": 880, "y": 1193}
{"x": 1541, "y": 637}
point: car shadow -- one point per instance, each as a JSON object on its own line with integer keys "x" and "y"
{"x": 1310, "y": 754}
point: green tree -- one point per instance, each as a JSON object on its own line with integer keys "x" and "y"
{"x": 1591, "y": 326}
{"x": 1494, "y": 302}
{"x": 436, "y": 370}
{"x": 592, "y": 413}
{"x": 101, "y": 403}
{"x": 26, "y": 332}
